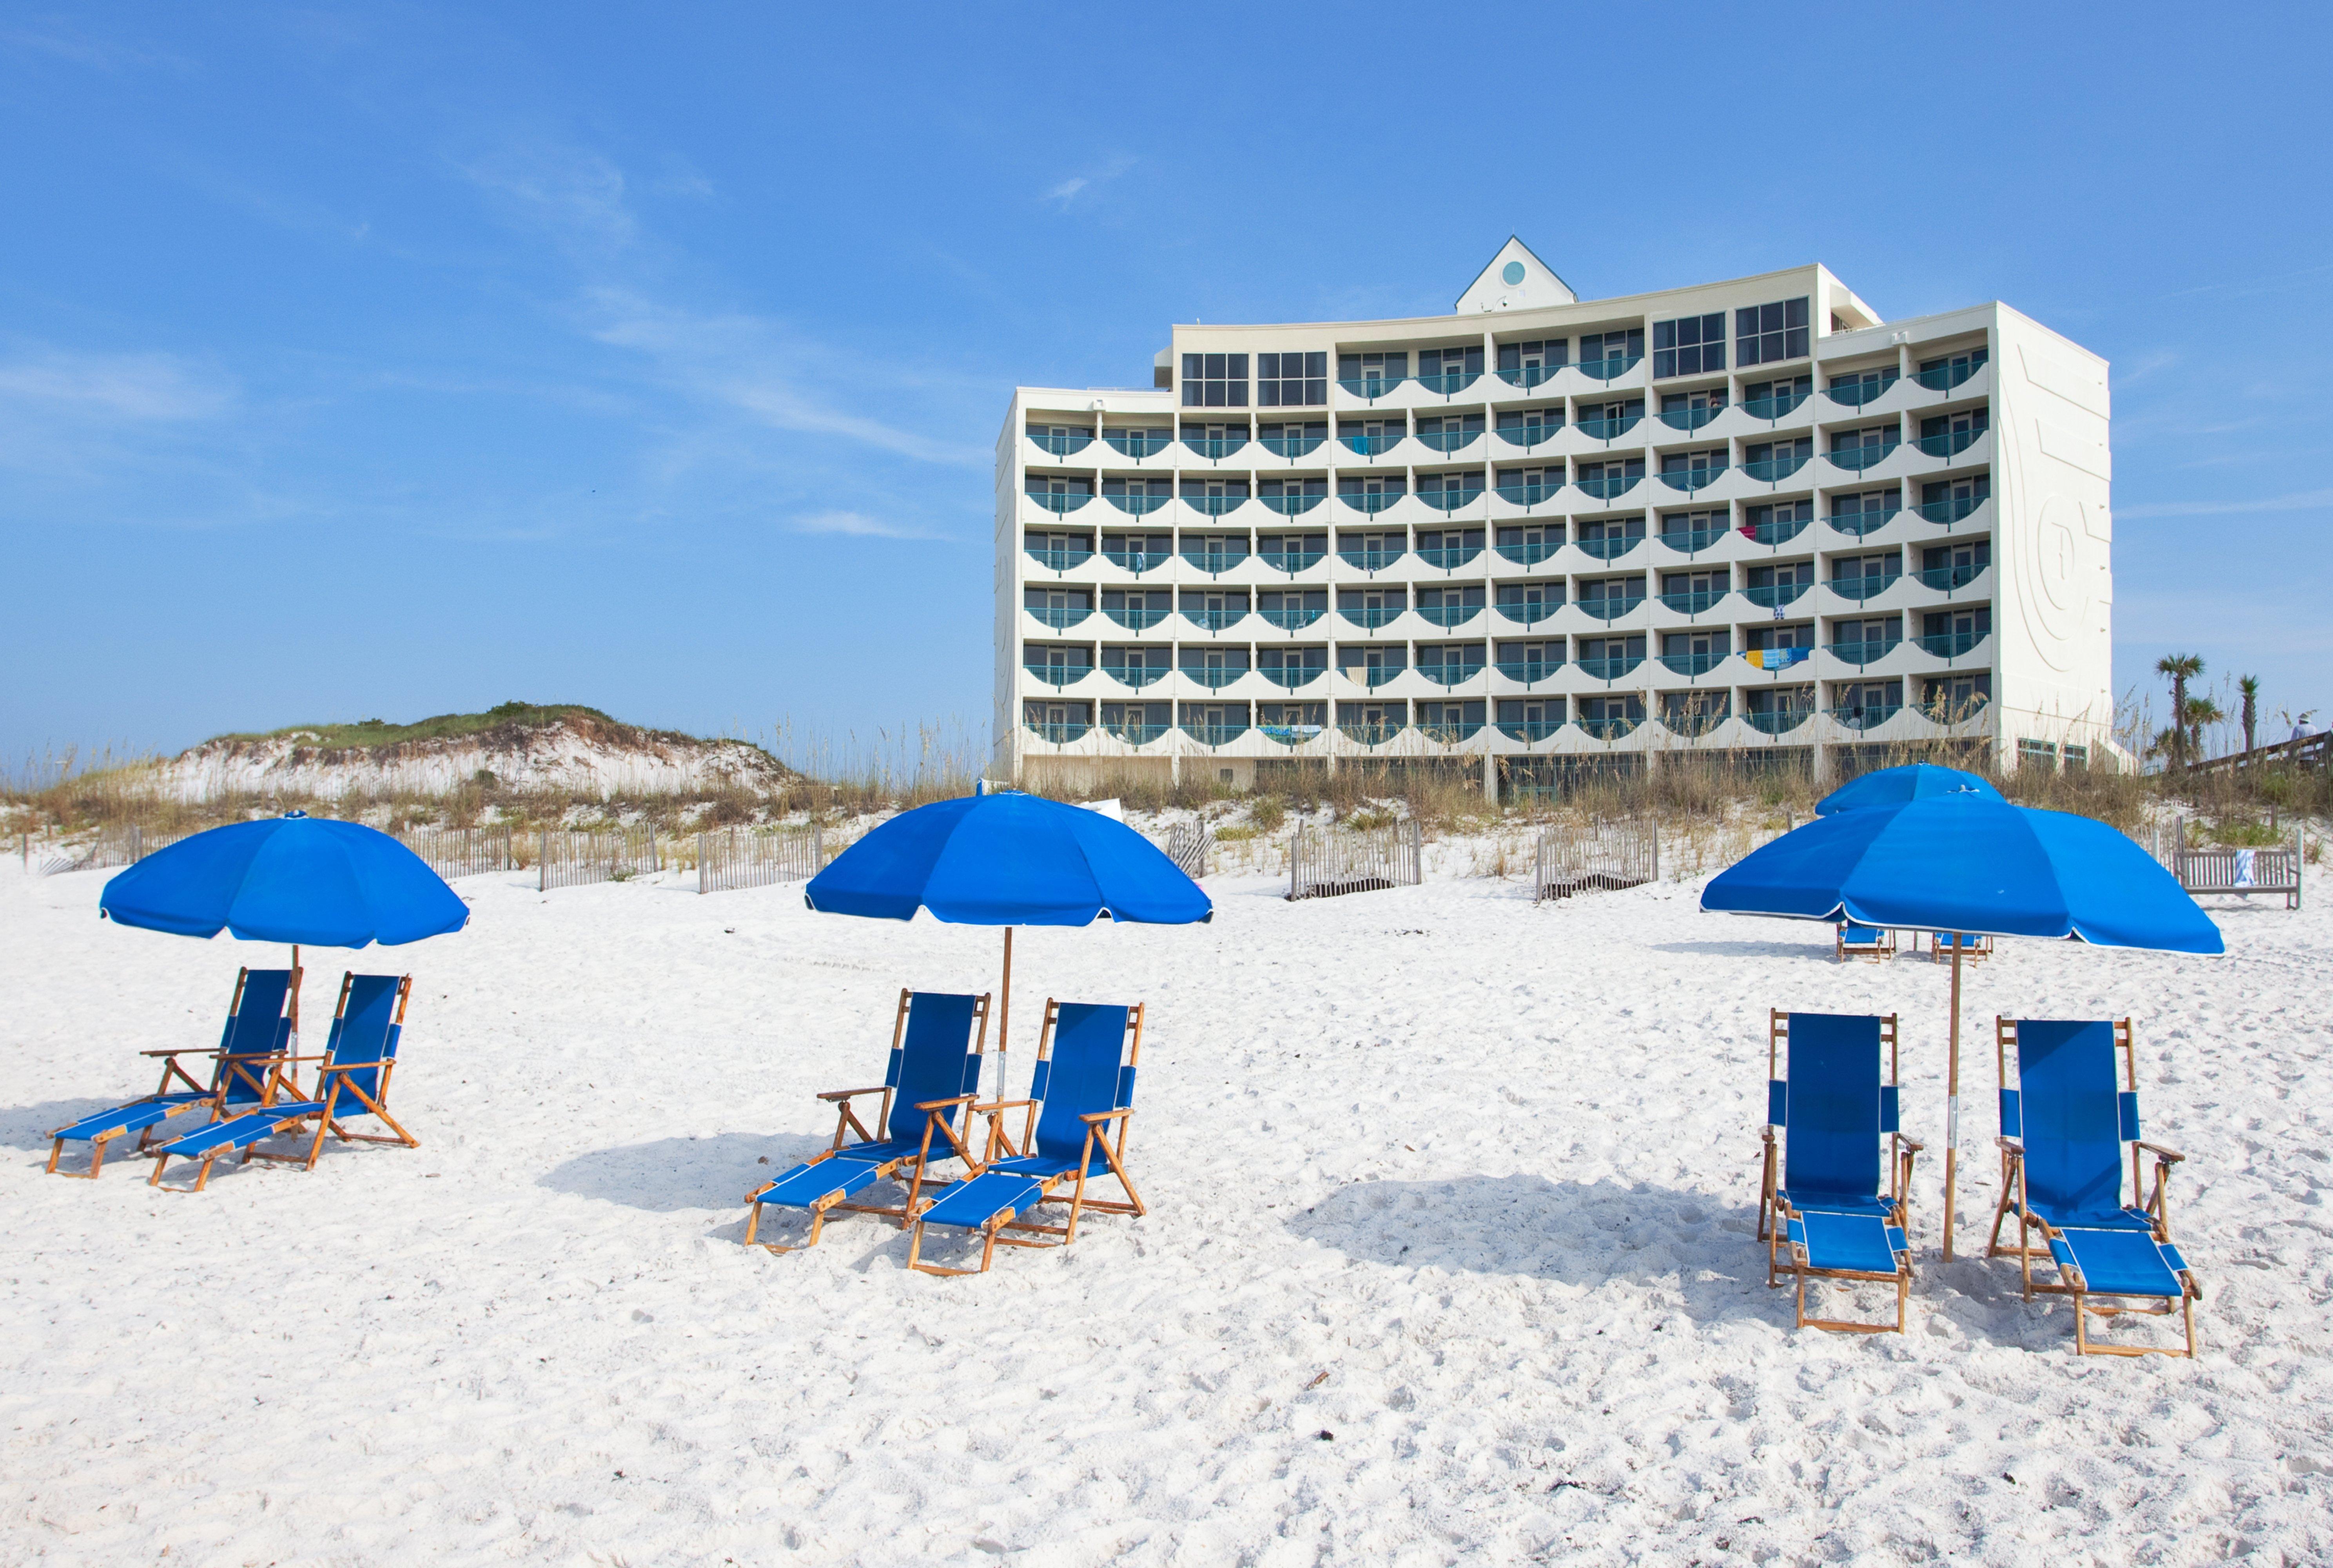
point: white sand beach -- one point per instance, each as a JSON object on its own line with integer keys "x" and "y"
{"x": 1449, "y": 1257}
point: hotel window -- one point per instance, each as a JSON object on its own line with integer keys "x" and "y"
{"x": 1529, "y": 363}
{"x": 1765, "y": 333}
{"x": 1690, "y": 345}
{"x": 1291, "y": 380}
{"x": 1215, "y": 380}
{"x": 1760, "y": 638}
{"x": 1450, "y": 361}
{"x": 1862, "y": 511}
{"x": 1381, "y": 368}
{"x": 1624, "y": 344}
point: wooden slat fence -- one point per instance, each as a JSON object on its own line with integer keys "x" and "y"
{"x": 462, "y": 852}
{"x": 110, "y": 846}
{"x": 1188, "y": 844}
{"x": 1600, "y": 857}
{"x": 565, "y": 860}
{"x": 1323, "y": 862}
{"x": 729, "y": 858}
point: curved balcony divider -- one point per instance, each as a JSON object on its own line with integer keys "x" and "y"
{"x": 1214, "y": 619}
{"x": 1292, "y": 446}
{"x": 1215, "y": 447}
{"x": 1856, "y": 394}
{"x": 1060, "y": 560}
{"x": 1292, "y": 505}
{"x": 1370, "y": 387}
{"x": 1609, "y": 669}
{"x": 1609, "y": 728}
{"x": 1609, "y": 609}
{"x": 1950, "y": 644}
{"x": 1135, "y": 734}
{"x": 1527, "y": 495}
{"x": 1292, "y": 620}
{"x": 1060, "y": 674}
{"x": 1693, "y": 726}
{"x": 1213, "y": 565}
{"x": 1450, "y": 674}
{"x": 1450, "y": 382}
{"x": 1776, "y": 532}
{"x": 1612, "y": 486}
{"x": 1945, "y": 377}
{"x": 1610, "y": 547}
{"x": 1693, "y": 541}
{"x": 1691, "y": 418}
{"x": 1529, "y": 555}
{"x": 1213, "y": 679}
{"x": 1528, "y": 436}
{"x": 1059, "y": 500}
{"x": 1871, "y": 651}
{"x": 1774, "y": 470}
{"x": 1871, "y": 716}
{"x": 1862, "y": 588}
{"x": 1529, "y": 731}
{"x": 1610, "y": 429}
{"x": 1951, "y": 443}
{"x": 1945, "y": 514}
{"x": 1698, "y": 604}
{"x": 1138, "y": 505}
{"x": 1369, "y": 501}
{"x": 1059, "y": 618}
{"x": 1060, "y": 446}
{"x": 1528, "y": 673}
{"x": 1371, "y": 560}
{"x": 1775, "y": 595}
{"x": 1137, "y": 620}
{"x": 1447, "y": 499}
{"x": 1061, "y": 733}
{"x": 1448, "y": 734}
{"x": 1529, "y": 376}
{"x": 1370, "y": 733}
{"x": 1859, "y": 524}
{"x": 1292, "y": 675}
{"x": 1609, "y": 370}
{"x": 1370, "y": 620}
{"x": 1949, "y": 578}
{"x": 1450, "y": 557}
{"x": 1214, "y": 506}
{"x": 1447, "y": 615}
{"x": 1856, "y": 459}
{"x": 1529, "y": 612}
{"x": 1137, "y": 447}
{"x": 1690, "y": 480}
{"x": 1288, "y": 734}
{"x": 1773, "y": 409}
{"x": 1136, "y": 560}
{"x": 1292, "y": 561}
{"x": 1214, "y": 734}
{"x": 1778, "y": 721}
{"x": 1137, "y": 676}
{"x": 1690, "y": 664}
{"x": 1374, "y": 675}
{"x": 1450, "y": 440}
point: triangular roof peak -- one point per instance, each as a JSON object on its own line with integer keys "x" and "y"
{"x": 1515, "y": 280}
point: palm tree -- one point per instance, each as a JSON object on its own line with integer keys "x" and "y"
{"x": 2250, "y": 685}
{"x": 2201, "y": 711}
{"x": 2181, "y": 668}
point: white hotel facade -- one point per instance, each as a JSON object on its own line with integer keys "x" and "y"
{"x": 1542, "y": 535}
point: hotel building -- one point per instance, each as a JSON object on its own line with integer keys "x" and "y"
{"x": 1544, "y": 533}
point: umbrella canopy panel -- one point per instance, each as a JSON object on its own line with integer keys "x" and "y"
{"x": 295, "y": 878}
{"x": 1892, "y": 786}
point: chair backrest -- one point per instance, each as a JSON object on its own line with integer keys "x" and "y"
{"x": 1855, "y": 936}
{"x": 2070, "y": 1115}
{"x": 933, "y": 1057}
{"x": 1833, "y": 1105}
{"x": 258, "y": 1025}
{"x": 365, "y": 1032}
{"x": 1081, "y": 1070}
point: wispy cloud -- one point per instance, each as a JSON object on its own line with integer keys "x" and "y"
{"x": 2297, "y": 501}
{"x": 115, "y": 386}
{"x": 1078, "y": 184}
{"x": 573, "y": 194}
{"x": 859, "y": 525}
{"x": 59, "y": 39}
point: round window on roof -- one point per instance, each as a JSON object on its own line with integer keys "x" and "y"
{"x": 1514, "y": 273}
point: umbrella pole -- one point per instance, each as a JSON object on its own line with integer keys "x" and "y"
{"x": 1004, "y": 1003}
{"x": 1952, "y": 1103}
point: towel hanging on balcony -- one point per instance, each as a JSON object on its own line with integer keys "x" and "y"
{"x": 1773, "y": 657}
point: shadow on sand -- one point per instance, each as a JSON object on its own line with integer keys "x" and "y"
{"x": 30, "y": 1126}
{"x": 673, "y": 1174}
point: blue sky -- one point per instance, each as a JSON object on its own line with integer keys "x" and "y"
{"x": 399, "y": 359}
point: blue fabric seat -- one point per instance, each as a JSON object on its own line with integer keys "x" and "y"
{"x": 2064, "y": 1126}
{"x": 1823, "y": 1212}
{"x": 938, "y": 1042}
{"x": 1088, "y": 1056}
{"x": 352, "y": 1081}
{"x": 254, "y": 1047}
{"x": 1873, "y": 942}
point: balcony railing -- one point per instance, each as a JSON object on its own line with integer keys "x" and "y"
{"x": 1214, "y": 734}
{"x": 1529, "y": 612}
{"x": 1136, "y": 560}
{"x": 1776, "y": 532}
{"x": 1214, "y": 506}
{"x": 1951, "y": 578}
{"x": 1449, "y": 734}
{"x": 1773, "y": 409}
{"x": 1529, "y": 436}
{"x": 1373, "y": 675}
{"x": 1773, "y": 470}
{"x": 1692, "y": 479}
{"x": 1609, "y": 728}
{"x": 1943, "y": 378}
{"x": 1774, "y": 595}
{"x": 1135, "y": 445}
{"x": 1859, "y": 524}
{"x": 1214, "y": 678}
{"x": 1135, "y": 734}
{"x": 1690, "y": 664}
{"x": 1870, "y": 650}
{"x": 1061, "y": 733}
{"x": 1215, "y": 448}
{"x": 1856, "y": 459}
{"x": 1610, "y": 487}
{"x": 1778, "y": 720}
{"x": 1529, "y": 672}
{"x": 1449, "y": 674}
{"x": 1693, "y": 541}
{"x": 1137, "y": 618}
{"x": 1449, "y": 440}
{"x": 1137, "y": 676}
{"x": 1059, "y": 500}
{"x": 1528, "y": 376}
{"x": 1293, "y": 676}
{"x": 1870, "y": 715}
{"x": 1691, "y": 418}
{"x": 1612, "y": 608}
{"x": 1609, "y": 669}
{"x": 1529, "y": 731}
{"x": 1370, "y": 733}
{"x": 1371, "y": 560}
{"x": 1288, "y": 734}
{"x": 1949, "y": 443}
{"x": 1696, "y": 601}
{"x": 1288, "y": 505}
{"x": 1450, "y": 497}
{"x": 1058, "y": 616}
{"x": 1214, "y": 619}
{"x": 1370, "y": 446}
{"x": 1292, "y": 562}
{"x": 1060, "y": 560}
{"x": 1450, "y": 382}
{"x": 1370, "y": 386}
{"x": 1950, "y": 644}
{"x": 1603, "y": 430}
{"x": 1856, "y": 394}
{"x": 1611, "y": 546}
{"x": 1950, "y": 511}
{"x": 1292, "y": 620}
{"x": 1371, "y": 617}
{"x": 1609, "y": 368}
{"x": 1061, "y": 446}
{"x": 1138, "y": 504}
{"x": 1449, "y": 614}
{"x": 1449, "y": 557}
{"x": 1292, "y": 446}
{"x": 1213, "y": 563}
{"x": 1529, "y": 555}
{"x": 1692, "y": 723}
{"x": 1060, "y": 674}
{"x": 1862, "y": 588}
{"x": 1370, "y": 501}
{"x": 1527, "y": 495}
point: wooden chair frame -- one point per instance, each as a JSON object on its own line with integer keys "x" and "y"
{"x": 1000, "y": 1146}
{"x": 847, "y": 1121}
{"x": 1975, "y": 947}
{"x": 2069, "y": 1283}
{"x": 1775, "y": 1213}
{"x": 226, "y": 1070}
{"x": 1878, "y": 951}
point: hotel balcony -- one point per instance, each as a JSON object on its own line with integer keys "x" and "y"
{"x": 1529, "y": 546}
{"x": 1138, "y": 446}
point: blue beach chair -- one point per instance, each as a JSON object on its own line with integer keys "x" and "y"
{"x": 1873, "y": 942}
{"x": 2062, "y": 1132}
{"x": 938, "y": 1042}
{"x": 1973, "y": 948}
{"x": 254, "y": 1053}
{"x": 352, "y": 1081}
{"x": 1826, "y": 1217}
{"x": 1086, "y": 1060}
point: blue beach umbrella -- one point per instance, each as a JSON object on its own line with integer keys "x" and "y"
{"x": 1008, "y": 860}
{"x": 1894, "y": 786}
{"x": 1961, "y": 863}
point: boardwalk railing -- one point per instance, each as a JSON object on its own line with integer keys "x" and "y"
{"x": 729, "y": 858}
{"x": 2221, "y": 869}
{"x": 572, "y": 860}
{"x": 2305, "y": 750}
{"x": 110, "y": 846}
{"x": 1187, "y": 845}
{"x": 461, "y": 852}
{"x": 1599, "y": 858}
{"x": 1323, "y": 862}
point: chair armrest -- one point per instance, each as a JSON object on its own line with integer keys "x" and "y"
{"x": 2009, "y": 1145}
{"x": 1095, "y": 1118}
{"x": 851, "y": 1093}
{"x": 1002, "y": 1105}
{"x": 2172, "y": 1155}
{"x": 356, "y": 1067}
{"x": 944, "y": 1104}
{"x": 184, "y": 1051}
{"x": 1913, "y": 1144}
